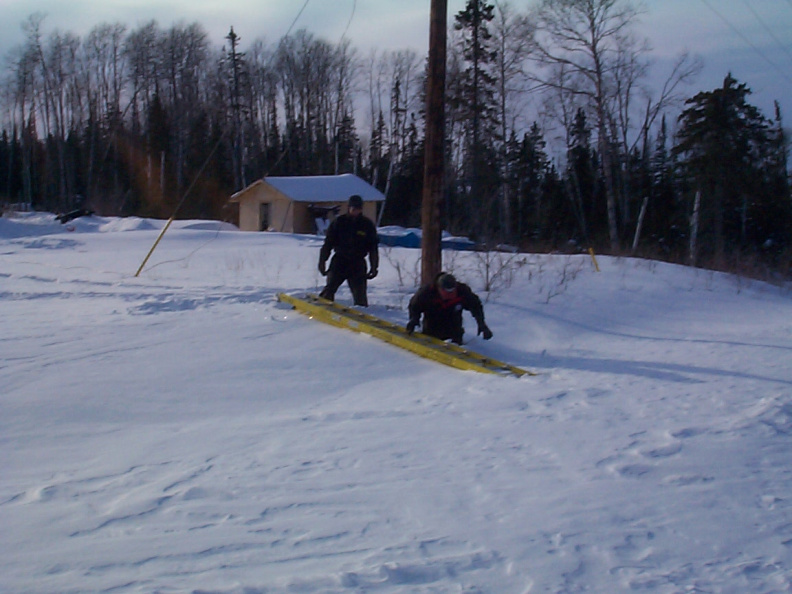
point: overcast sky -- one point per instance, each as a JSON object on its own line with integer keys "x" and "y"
{"x": 752, "y": 39}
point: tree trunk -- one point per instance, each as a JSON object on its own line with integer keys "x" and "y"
{"x": 694, "y": 225}
{"x": 610, "y": 190}
{"x": 638, "y": 227}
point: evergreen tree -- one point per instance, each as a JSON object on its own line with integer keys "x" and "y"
{"x": 581, "y": 176}
{"x": 529, "y": 166}
{"x": 403, "y": 206}
{"x": 773, "y": 213}
{"x": 347, "y": 143}
{"x": 237, "y": 78}
{"x": 665, "y": 219}
{"x": 476, "y": 106}
{"x": 379, "y": 156}
{"x": 150, "y": 201}
{"x": 723, "y": 142}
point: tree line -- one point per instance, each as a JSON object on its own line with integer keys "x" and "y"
{"x": 554, "y": 138}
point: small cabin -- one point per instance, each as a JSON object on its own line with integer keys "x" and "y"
{"x": 302, "y": 204}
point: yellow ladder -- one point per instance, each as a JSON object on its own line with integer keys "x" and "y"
{"x": 428, "y": 347}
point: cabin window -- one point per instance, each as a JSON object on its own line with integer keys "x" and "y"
{"x": 264, "y": 216}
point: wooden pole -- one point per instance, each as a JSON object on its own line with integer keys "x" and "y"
{"x": 434, "y": 159}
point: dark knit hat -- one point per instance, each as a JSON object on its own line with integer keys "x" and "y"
{"x": 355, "y": 201}
{"x": 447, "y": 282}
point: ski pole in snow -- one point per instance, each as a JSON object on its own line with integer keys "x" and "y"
{"x": 179, "y": 205}
{"x": 153, "y": 247}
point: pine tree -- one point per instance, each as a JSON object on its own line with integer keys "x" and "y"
{"x": 237, "y": 75}
{"x": 529, "y": 166}
{"x": 347, "y": 157}
{"x": 378, "y": 158}
{"x": 721, "y": 142}
{"x": 666, "y": 215}
{"x": 581, "y": 175}
{"x": 476, "y": 107}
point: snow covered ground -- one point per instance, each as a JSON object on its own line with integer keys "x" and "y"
{"x": 182, "y": 431}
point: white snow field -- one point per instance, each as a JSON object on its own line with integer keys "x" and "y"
{"x": 182, "y": 431}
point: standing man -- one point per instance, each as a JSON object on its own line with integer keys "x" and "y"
{"x": 352, "y": 236}
{"x": 441, "y": 304}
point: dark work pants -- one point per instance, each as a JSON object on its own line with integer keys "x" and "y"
{"x": 351, "y": 271}
{"x": 449, "y": 330}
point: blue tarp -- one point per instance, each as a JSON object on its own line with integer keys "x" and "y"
{"x": 411, "y": 238}
{"x": 408, "y": 240}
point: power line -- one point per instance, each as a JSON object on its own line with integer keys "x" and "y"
{"x": 768, "y": 29}
{"x": 349, "y": 23}
{"x": 352, "y": 16}
{"x": 748, "y": 41}
{"x": 297, "y": 18}
{"x": 294, "y": 22}
{"x": 272, "y": 57}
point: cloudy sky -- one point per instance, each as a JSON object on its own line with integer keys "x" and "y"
{"x": 751, "y": 39}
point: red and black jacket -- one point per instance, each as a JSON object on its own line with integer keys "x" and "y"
{"x": 442, "y": 318}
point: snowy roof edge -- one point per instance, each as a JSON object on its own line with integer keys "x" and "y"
{"x": 324, "y": 188}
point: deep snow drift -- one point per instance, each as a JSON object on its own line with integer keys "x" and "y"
{"x": 181, "y": 431}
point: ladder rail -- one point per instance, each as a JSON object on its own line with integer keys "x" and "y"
{"x": 421, "y": 344}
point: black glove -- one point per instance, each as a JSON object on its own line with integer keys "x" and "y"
{"x": 372, "y": 273}
{"x": 322, "y": 269}
{"x": 411, "y": 326}
{"x": 483, "y": 329}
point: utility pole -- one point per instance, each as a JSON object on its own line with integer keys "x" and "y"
{"x": 434, "y": 159}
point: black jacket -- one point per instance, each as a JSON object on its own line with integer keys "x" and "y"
{"x": 352, "y": 238}
{"x": 443, "y": 318}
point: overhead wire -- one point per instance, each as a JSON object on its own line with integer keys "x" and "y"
{"x": 748, "y": 41}
{"x": 297, "y": 18}
{"x": 343, "y": 35}
{"x": 351, "y": 18}
{"x": 288, "y": 141}
{"x": 765, "y": 26}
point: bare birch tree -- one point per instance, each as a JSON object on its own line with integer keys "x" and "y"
{"x": 511, "y": 32}
{"x": 589, "y": 37}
